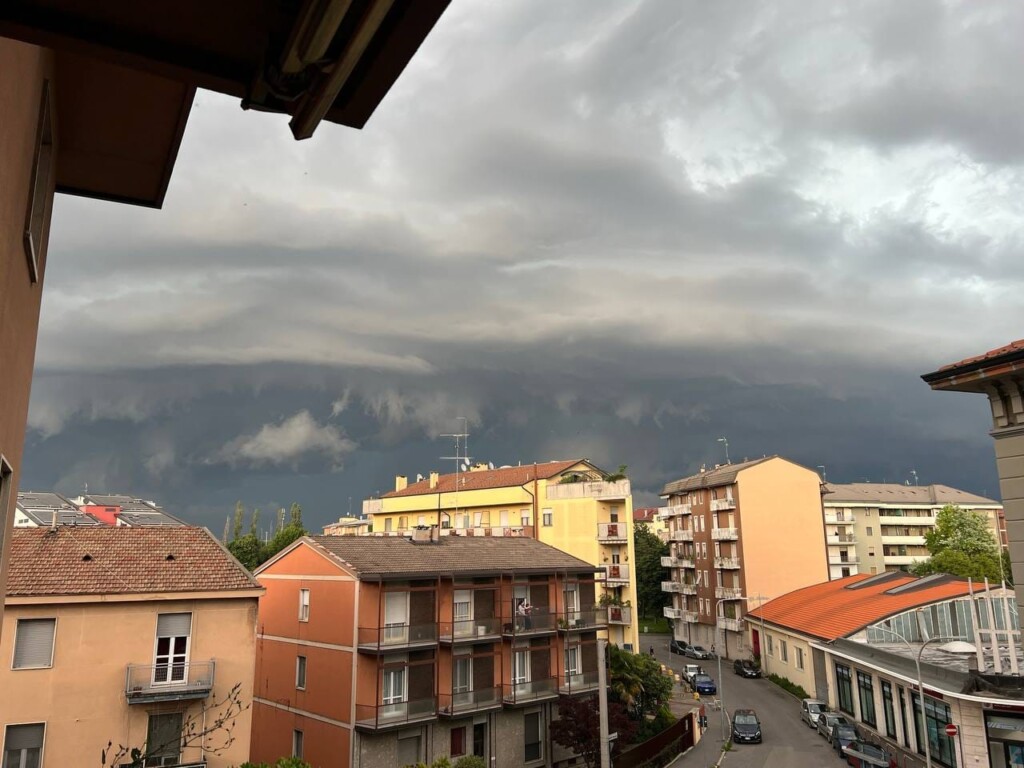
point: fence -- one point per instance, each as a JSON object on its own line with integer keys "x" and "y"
{"x": 679, "y": 736}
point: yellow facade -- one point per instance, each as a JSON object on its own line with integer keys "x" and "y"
{"x": 589, "y": 520}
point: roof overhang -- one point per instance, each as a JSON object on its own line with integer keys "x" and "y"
{"x": 134, "y": 597}
{"x": 977, "y": 375}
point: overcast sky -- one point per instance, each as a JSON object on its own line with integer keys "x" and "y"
{"x": 603, "y": 229}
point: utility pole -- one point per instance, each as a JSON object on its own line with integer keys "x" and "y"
{"x": 602, "y": 698}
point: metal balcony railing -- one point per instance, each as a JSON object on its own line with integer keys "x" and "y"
{"x": 394, "y": 636}
{"x": 538, "y": 621}
{"x": 148, "y": 683}
{"x": 589, "y": 618}
{"x": 377, "y": 716}
{"x": 597, "y": 489}
{"x": 469, "y": 630}
{"x": 616, "y": 574}
{"x": 578, "y": 682}
{"x": 620, "y": 614}
{"x": 530, "y": 691}
{"x": 612, "y": 532}
{"x": 728, "y": 593}
{"x": 466, "y": 702}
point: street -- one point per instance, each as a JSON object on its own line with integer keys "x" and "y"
{"x": 788, "y": 742}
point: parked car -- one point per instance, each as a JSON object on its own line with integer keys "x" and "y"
{"x": 678, "y": 646}
{"x": 691, "y": 670}
{"x": 704, "y": 684}
{"x": 697, "y": 652}
{"x": 746, "y": 726}
{"x": 860, "y": 754}
{"x": 826, "y": 720}
{"x": 746, "y": 668}
{"x": 810, "y": 709}
{"x": 842, "y": 735}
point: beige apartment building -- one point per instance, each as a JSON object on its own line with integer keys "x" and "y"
{"x": 740, "y": 534}
{"x": 133, "y": 636}
{"x": 875, "y": 527}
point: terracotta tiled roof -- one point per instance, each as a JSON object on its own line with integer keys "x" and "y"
{"x": 397, "y": 556}
{"x": 119, "y": 560}
{"x": 488, "y": 478}
{"x": 645, "y": 514}
{"x": 840, "y": 608}
{"x": 894, "y": 493}
{"x": 1013, "y": 346}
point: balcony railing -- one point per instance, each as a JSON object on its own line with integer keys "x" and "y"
{"x": 842, "y": 538}
{"x": 916, "y": 541}
{"x": 589, "y": 490}
{"x": 672, "y": 613}
{"x": 680, "y": 535}
{"x": 148, "y": 683}
{"x": 493, "y": 531}
{"x": 908, "y": 520}
{"x": 371, "y": 717}
{"x": 690, "y": 617}
{"x": 579, "y": 682}
{"x": 734, "y": 625}
{"x": 620, "y": 614}
{"x": 592, "y": 618}
{"x": 833, "y": 519}
{"x": 672, "y": 586}
{"x": 616, "y": 574}
{"x": 530, "y": 691}
{"x": 372, "y": 506}
{"x": 470, "y": 630}
{"x": 848, "y": 560}
{"x": 466, "y": 702}
{"x": 612, "y": 532}
{"x": 728, "y": 593}
{"x": 674, "y": 511}
{"x": 394, "y": 636}
{"x": 727, "y": 562}
{"x": 539, "y": 621}
{"x": 718, "y": 505}
{"x": 725, "y": 534}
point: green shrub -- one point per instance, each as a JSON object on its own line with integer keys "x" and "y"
{"x": 789, "y": 685}
{"x": 470, "y": 761}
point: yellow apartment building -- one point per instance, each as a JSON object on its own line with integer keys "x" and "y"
{"x": 348, "y": 526}
{"x": 135, "y": 637}
{"x": 566, "y": 504}
{"x": 739, "y": 535}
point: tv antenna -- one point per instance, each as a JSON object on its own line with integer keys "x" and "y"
{"x": 723, "y": 440}
{"x": 461, "y": 459}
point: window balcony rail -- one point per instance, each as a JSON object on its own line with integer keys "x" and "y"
{"x": 690, "y": 617}
{"x": 719, "y": 505}
{"x": 833, "y": 519}
{"x": 848, "y": 560}
{"x": 538, "y": 621}
{"x": 674, "y": 510}
{"x": 494, "y": 531}
{"x": 590, "y": 618}
{"x": 725, "y": 534}
{"x": 734, "y": 625}
{"x": 598, "y": 489}
{"x": 466, "y": 702}
{"x": 530, "y": 691}
{"x": 470, "y": 630}
{"x": 680, "y": 535}
{"x": 908, "y": 520}
{"x": 620, "y": 614}
{"x": 917, "y": 541}
{"x": 577, "y": 683}
{"x": 842, "y": 538}
{"x": 394, "y": 636}
{"x": 672, "y": 586}
{"x": 727, "y": 562}
{"x": 672, "y": 613}
{"x": 616, "y": 574}
{"x": 612, "y": 532}
{"x": 372, "y": 717}
{"x": 728, "y": 593}
{"x": 149, "y": 683}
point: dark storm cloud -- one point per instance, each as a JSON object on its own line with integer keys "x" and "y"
{"x": 605, "y": 229}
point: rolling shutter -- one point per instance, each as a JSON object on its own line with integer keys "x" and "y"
{"x": 33, "y": 643}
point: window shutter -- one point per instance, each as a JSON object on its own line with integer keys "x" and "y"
{"x": 33, "y": 643}
{"x": 174, "y": 625}
{"x": 24, "y": 737}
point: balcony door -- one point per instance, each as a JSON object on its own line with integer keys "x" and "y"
{"x": 462, "y": 679}
{"x": 573, "y": 669}
{"x": 170, "y": 658}
{"x": 572, "y": 604}
{"x": 521, "y": 671}
{"x": 393, "y": 698}
{"x": 462, "y": 612}
{"x": 396, "y": 617}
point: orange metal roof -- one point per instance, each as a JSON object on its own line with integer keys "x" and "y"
{"x": 832, "y": 609}
{"x": 488, "y": 478}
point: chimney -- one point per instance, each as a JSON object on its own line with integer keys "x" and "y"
{"x": 433, "y": 479}
{"x": 53, "y": 520}
{"x": 401, "y": 482}
{"x": 703, "y": 469}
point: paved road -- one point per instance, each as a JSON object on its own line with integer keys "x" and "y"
{"x": 788, "y": 743}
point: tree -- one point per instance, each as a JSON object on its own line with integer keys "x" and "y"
{"x": 227, "y": 529}
{"x": 254, "y": 524}
{"x": 280, "y": 520}
{"x": 578, "y": 727}
{"x": 295, "y": 515}
{"x": 961, "y": 544}
{"x": 636, "y": 681}
{"x": 614, "y": 477}
{"x": 247, "y": 550}
{"x": 649, "y": 571}
{"x": 239, "y": 520}
{"x": 285, "y": 536}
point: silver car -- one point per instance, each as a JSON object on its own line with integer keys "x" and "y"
{"x": 810, "y": 709}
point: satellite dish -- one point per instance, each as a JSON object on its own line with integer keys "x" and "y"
{"x": 465, "y": 467}
{"x": 490, "y": 465}
{"x": 419, "y": 478}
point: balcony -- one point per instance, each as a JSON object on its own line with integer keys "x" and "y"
{"x": 577, "y": 683}
{"x": 728, "y": 593}
{"x": 612, "y": 533}
{"x": 916, "y": 541}
{"x": 690, "y": 617}
{"x": 672, "y": 586}
{"x": 673, "y": 613}
{"x": 720, "y": 505}
{"x": 541, "y": 621}
{"x": 725, "y": 534}
{"x": 372, "y": 507}
{"x": 396, "y": 637}
{"x": 731, "y": 625}
{"x": 616, "y": 575}
{"x": 530, "y": 691}
{"x": 620, "y": 614}
{"x": 150, "y": 683}
{"x": 590, "y": 619}
{"x": 834, "y": 519}
{"x": 468, "y": 702}
{"x": 471, "y": 630}
{"x": 842, "y": 538}
{"x": 730, "y": 563}
{"x": 903, "y": 559}
{"x": 494, "y": 531}
{"x": 848, "y": 560}
{"x": 674, "y": 511}
{"x": 680, "y": 535}
{"x": 589, "y": 490}
{"x": 378, "y": 717}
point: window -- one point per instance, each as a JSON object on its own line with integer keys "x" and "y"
{"x": 572, "y": 661}
{"x": 393, "y": 689}
{"x": 23, "y": 746}
{"x": 458, "y": 742}
{"x": 520, "y": 667}
{"x": 613, "y": 514}
{"x": 783, "y": 652}
{"x": 462, "y": 674}
{"x": 479, "y": 739}
{"x": 387, "y": 524}
{"x": 300, "y": 672}
{"x": 298, "y": 739}
{"x": 33, "y": 643}
{"x": 532, "y": 745}
{"x": 937, "y": 715}
{"x": 769, "y": 642}
{"x": 524, "y": 517}
{"x": 799, "y": 658}
{"x": 572, "y": 601}
{"x": 844, "y": 686}
{"x": 547, "y": 514}
{"x": 172, "y": 641}
{"x": 421, "y": 520}
{"x": 163, "y": 739}
{"x": 303, "y": 605}
{"x": 403, "y": 523}
{"x": 396, "y": 617}
{"x": 871, "y": 552}
{"x": 868, "y": 529}
{"x": 845, "y": 572}
{"x": 409, "y": 751}
{"x": 866, "y": 692}
{"x": 887, "y": 710}
{"x": 42, "y": 168}
{"x": 462, "y": 612}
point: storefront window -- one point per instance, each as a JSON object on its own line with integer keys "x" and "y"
{"x": 938, "y": 716}
{"x": 887, "y": 709}
{"x": 844, "y": 685}
{"x": 866, "y": 691}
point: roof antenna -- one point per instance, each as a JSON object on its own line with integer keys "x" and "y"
{"x": 723, "y": 440}
{"x": 824, "y": 474}
{"x": 913, "y": 472}
{"x": 460, "y": 458}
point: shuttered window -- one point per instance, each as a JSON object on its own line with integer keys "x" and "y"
{"x": 33, "y": 643}
{"x": 23, "y": 745}
{"x": 174, "y": 625}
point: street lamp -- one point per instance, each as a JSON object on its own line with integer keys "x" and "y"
{"x": 721, "y": 687}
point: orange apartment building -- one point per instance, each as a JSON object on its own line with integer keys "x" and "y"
{"x": 134, "y": 636}
{"x": 95, "y": 97}
{"x": 378, "y": 651}
{"x": 739, "y": 535}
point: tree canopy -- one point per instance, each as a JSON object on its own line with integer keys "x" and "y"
{"x": 250, "y": 550}
{"x": 962, "y": 544}
{"x": 650, "y": 572}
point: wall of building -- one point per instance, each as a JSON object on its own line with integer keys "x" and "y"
{"x": 81, "y": 698}
{"x": 773, "y": 662}
{"x": 24, "y": 69}
{"x": 325, "y": 743}
{"x": 1009, "y": 445}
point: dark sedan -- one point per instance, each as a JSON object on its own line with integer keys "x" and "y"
{"x": 842, "y": 736}
{"x": 678, "y": 646}
{"x": 746, "y": 668}
{"x": 704, "y": 684}
{"x": 746, "y": 726}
